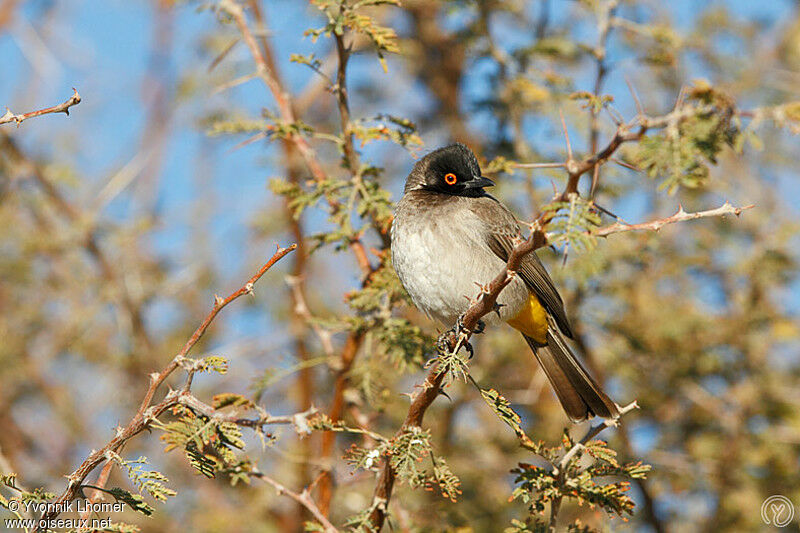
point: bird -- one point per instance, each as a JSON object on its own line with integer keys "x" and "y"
{"x": 448, "y": 234}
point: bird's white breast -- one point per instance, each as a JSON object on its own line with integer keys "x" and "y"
{"x": 441, "y": 254}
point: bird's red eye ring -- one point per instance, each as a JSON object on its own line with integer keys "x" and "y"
{"x": 450, "y": 178}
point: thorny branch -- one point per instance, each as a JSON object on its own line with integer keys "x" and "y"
{"x": 148, "y": 412}
{"x": 679, "y": 216}
{"x": 63, "y": 107}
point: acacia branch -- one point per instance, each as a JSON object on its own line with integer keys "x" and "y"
{"x": 560, "y": 468}
{"x": 63, "y": 107}
{"x": 303, "y": 498}
{"x": 263, "y": 419}
{"x": 281, "y": 96}
{"x": 147, "y": 413}
{"x": 679, "y": 216}
{"x": 268, "y": 74}
{"x": 604, "y": 27}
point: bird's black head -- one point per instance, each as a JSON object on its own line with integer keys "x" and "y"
{"x": 450, "y": 170}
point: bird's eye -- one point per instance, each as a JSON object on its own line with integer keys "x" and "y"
{"x": 450, "y": 178}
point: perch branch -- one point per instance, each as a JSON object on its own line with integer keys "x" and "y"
{"x": 63, "y": 107}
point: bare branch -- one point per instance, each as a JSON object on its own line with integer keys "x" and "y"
{"x": 75, "y": 99}
{"x": 540, "y": 165}
{"x": 303, "y": 498}
{"x": 679, "y": 216}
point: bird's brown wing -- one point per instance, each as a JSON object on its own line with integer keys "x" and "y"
{"x": 503, "y": 229}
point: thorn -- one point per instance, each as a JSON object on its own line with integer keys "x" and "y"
{"x": 625, "y": 164}
{"x": 595, "y": 179}
{"x": 639, "y": 108}
{"x": 497, "y": 308}
{"x": 606, "y": 211}
{"x": 217, "y": 300}
{"x": 566, "y": 136}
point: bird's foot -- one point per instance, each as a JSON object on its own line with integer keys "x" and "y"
{"x": 462, "y": 333}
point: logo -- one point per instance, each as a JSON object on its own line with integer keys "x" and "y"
{"x": 777, "y": 511}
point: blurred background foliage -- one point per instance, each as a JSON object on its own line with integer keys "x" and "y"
{"x": 179, "y": 172}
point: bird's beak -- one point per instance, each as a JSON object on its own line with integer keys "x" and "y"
{"x": 478, "y": 182}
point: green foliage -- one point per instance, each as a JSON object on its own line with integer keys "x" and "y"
{"x": 398, "y": 130}
{"x": 135, "y": 502}
{"x": 454, "y": 364}
{"x": 499, "y": 165}
{"x": 149, "y": 481}
{"x": 36, "y": 495}
{"x": 360, "y": 522}
{"x": 572, "y": 223}
{"x": 406, "y": 453}
{"x": 212, "y": 363}
{"x": 681, "y": 153}
{"x": 344, "y": 15}
{"x": 208, "y": 443}
{"x": 591, "y": 101}
{"x": 444, "y": 480}
{"x": 539, "y": 486}
{"x": 230, "y": 399}
{"x": 502, "y": 408}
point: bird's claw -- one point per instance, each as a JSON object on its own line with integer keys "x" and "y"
{"x": 468, "y": 347}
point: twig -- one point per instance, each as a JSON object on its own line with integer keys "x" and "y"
{"x": 590, "y": 434}
{"x": 301, "y": 310}
{"x": 604, "y": 27}
{"x": 147, "y": 412}
{"x": 558, "y": 469}
{"x": 75, "y": 99}
{"x": 679, "y": 216}
{"x": 263, "y": 419}
{"x": 219, "y": 304}
{"x": 281, "y": 97}
{"x": 540, "y": 165}
{"x": 303, "y": 498}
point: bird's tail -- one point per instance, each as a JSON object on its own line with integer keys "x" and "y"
{"x": 579, "y": 394}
